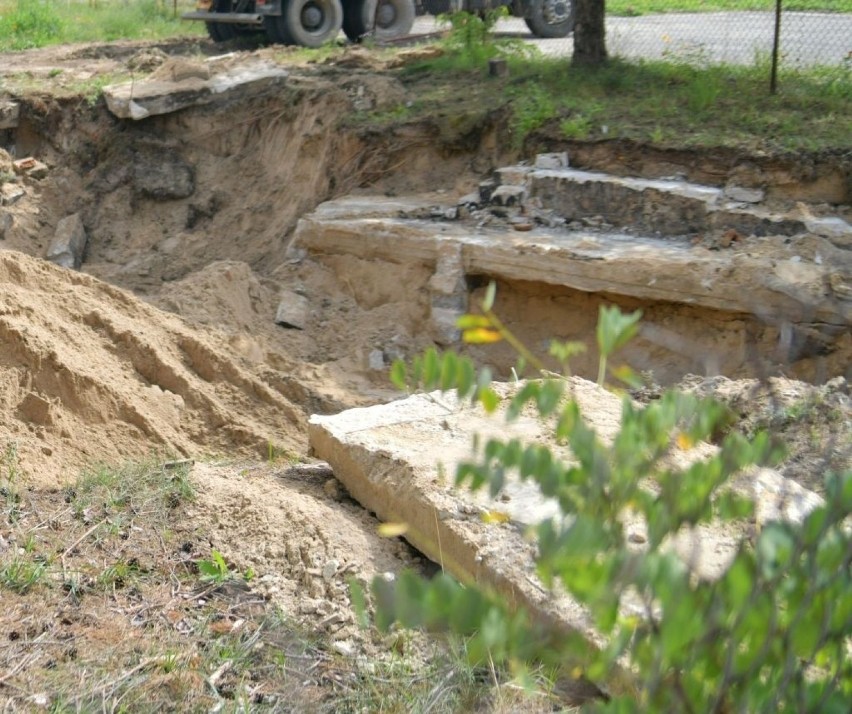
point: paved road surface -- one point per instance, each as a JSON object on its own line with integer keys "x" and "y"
{"x": 734, "y": 37}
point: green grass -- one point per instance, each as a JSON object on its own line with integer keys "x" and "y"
{"x": 651, "y": 7}
{"x": 25, "y": 24}
{"x": 664, "y": 103}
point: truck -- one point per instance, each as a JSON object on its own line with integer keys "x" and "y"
{"x": 312, "y": 23}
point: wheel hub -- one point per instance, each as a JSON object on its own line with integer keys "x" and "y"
{"x": 385, "y": 14}
{"x": 312, "y": 16}
{"x": 556, "y": 11}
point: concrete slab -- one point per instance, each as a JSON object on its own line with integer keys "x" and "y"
{"x": 399, "y": 461}
{"x": 138, "y": 100}
{"x": 750, "y": 282}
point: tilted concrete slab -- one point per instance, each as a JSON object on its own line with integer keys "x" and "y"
{"x": 141, "y": 99}
{"x": 399, "y": 461}
{"x": 771, "y": 284}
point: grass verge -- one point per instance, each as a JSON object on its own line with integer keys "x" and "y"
{"x": 662, "y": 103}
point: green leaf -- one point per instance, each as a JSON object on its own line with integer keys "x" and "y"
{"x": 449, "y": 370}
{"x": 489, "y": 399}
{"x": 399, "y": 375}
{"x": 615, "y": 329}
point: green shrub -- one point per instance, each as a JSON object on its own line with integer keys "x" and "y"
{"x": 770, "y": 634}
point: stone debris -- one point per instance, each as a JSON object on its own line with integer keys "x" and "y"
{"x": 376, "y": 360}
{"x": 557, "y": 160}
{"x": 31, "y": 168}
{"x": 163, "y": 175}
{"x": 744, "y": 195}
{"x": 11, "y": 193}
{"x": 293, "y": 310}
{"x": 9, "y": 114}
{"x": 508, "y": 195}
{"x": 69, "y": 243}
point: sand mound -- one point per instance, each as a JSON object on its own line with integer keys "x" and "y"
{"x": 89, "y": 373}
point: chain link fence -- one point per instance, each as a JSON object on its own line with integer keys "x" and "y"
{"x": 810, "y": 32}
{"x": 738, "y": 36}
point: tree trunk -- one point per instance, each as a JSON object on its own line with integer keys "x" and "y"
{"x": 589, "y": 31}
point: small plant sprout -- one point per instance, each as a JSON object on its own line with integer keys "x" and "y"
{"x": 215, "y": 570}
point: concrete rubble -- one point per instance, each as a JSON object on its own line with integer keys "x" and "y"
{"x": 187, "y": 87}
{"x": 69, "y": 243}
{"x": 293, "y": 310}
{"x": 399, "y": 461}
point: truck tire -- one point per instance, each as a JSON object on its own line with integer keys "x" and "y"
{"x": 309, "y": 23}
{"x": 221, "y": 31}
{"x": 550, "y": 18}
{"x": 383, "y": 19}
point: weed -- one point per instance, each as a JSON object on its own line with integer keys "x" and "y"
{"x": 10, "y": 473}
{"x": 21, "y": 575}
{"x": 576, "y": 127}
{"x": 215, "y": 570}
{"x": 531, "y": 108}
{"x": 118, "y": 574}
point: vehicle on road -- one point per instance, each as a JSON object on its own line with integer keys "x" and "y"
{"x": 312, "y": 23}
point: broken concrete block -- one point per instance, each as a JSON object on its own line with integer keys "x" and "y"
{"x": 69, "y": 243}
{"x": 557, "y": 160}
{"x": 293, "y": 310}
{"x": 376, "y": 360}
{"x": 512, "y": 175}
{"x": 163, "y": 175}
{"x": 11, "y": 193}
{"x": 448, "y": 293}
{"x": 179, "y": 87}
{"x": 33, "y": 168}
{"x": 469, "y": 199}
{"x": 508, "y": 195}
{"x": 391, "y": 458}
{"x": 486, "y": 188}
{"x": 9, "y": 113}
{"x": 834, "y": 228}
{"x": 744, "y": 195}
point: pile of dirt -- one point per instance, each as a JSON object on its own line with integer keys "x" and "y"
{"x": 92, "y": 374}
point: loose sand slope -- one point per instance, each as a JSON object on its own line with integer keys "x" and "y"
{"x": 90, "y": 373}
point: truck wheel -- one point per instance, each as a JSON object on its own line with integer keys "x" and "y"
{"x": 221, "y": 31}
{"x": 309, "y": 23}
{"x": 384, "y": 19}
{"x": 550, "y": 18}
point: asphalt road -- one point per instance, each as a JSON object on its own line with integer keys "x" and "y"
{"x": 732, "y": 37}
